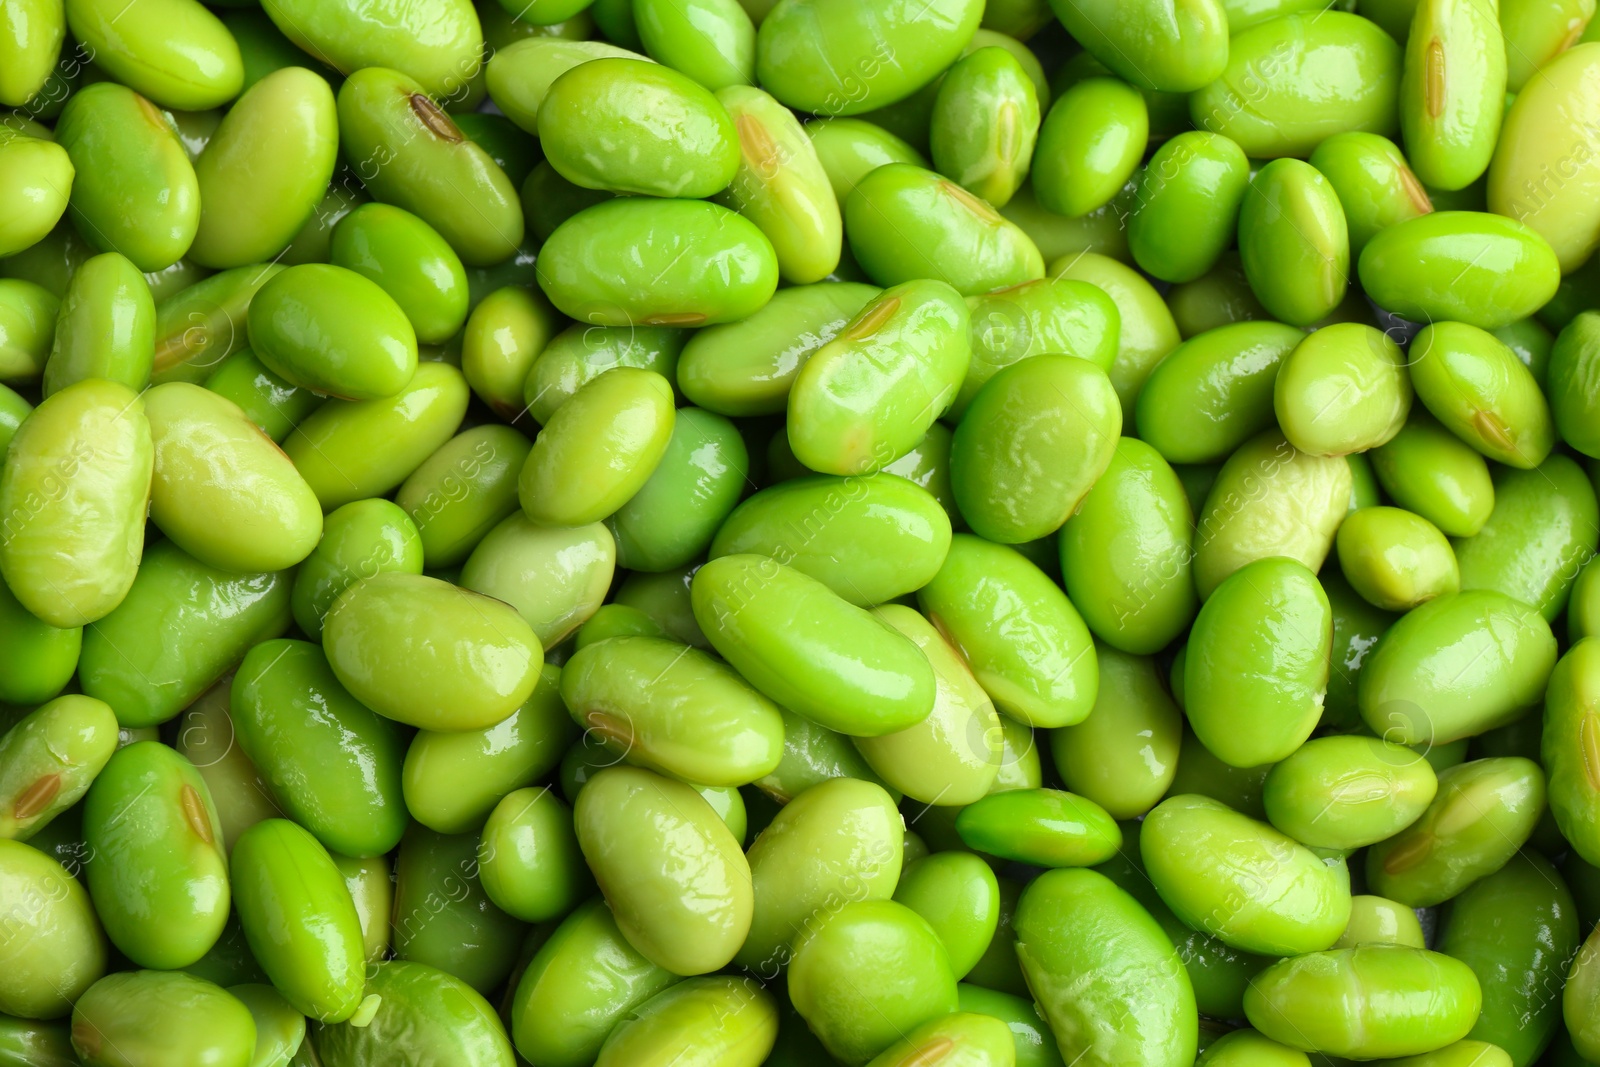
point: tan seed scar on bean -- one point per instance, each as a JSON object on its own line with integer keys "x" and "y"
{"x": 1435, "y": 75}
{"x": 872, "y": 321}
{"x": 1589, "y": 748}
{"x": 34, "y": 799}
{"x": 437, "y": 122}
{"x": 194, "y": 813}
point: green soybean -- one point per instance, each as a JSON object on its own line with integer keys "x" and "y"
{"x": 1348, "y": 792}
{"x": 1018, "y": 478}
{"x": 1429, "y": 470}
{"x": 1466, "y": 266}
{"x": 105, "y": 328}
{"x": 1375, "y": 183}
{"x": 1538, "y": 567}
{"x": 438, "y": 47}
{"x": 159, "y": 879}
{"x": 984, "y": 125}
{"x": 1189, "y": 196}
{"x": 265, "y": 169}
{"x": 1294, "y": 81}
{"x": 906, "y": 223}
{"x": 810, "y": 650}
{"x": 408, "y": 260}
{"x": 1391, "y": 1001}
{"x": 422, "y": 1011}
{"x": 1107, "y": 928}
{"x": 780, "y": 184}
{"x": 299, "y": 919}
{"x": 146, "y": 1016}
{"x": 555, "y": 577}
{"x": 1307, "y": 904}
{"x": 176, "y": 53}
{"x": 49, "y": 759}
{"x": 354, "y": 449}
{"x": 529, "y": 862}
{"x": 1394, "y": 559}
{"x": 135, "y": 191}
{"x": 832, "y": 57}
{"x": 653, "y": 262}
{"x": 1043, "y": 671}
{"x": 644, "y": 872}
{"x": 1484, "y": 811}
{"x": 1153, "y": 44}
{"x": 1269, "y": 499}
{"x": 407, "y": 152}
{"x": 1294, "y": 241}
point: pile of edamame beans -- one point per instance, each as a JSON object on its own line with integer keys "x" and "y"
{"x": 709, "y": 533}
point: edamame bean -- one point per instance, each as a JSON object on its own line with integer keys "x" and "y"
{"x": 1041, "y": 827}
{"x": 1043, "y": 671}
{"x": 830, "y": 984}
{"x": 724, "y": 1019}
{"x": 1270, "y": 611}
{"x": 439, "y": 46}
{"x": 443, "y": 918}
{"x": 648, "y": 840}
{"x": 1548, "y": 129}
{"x": 1347, "y": 792}
{"x": 1153, "y": 44}
{"x": 55, "y": 950}
{"x": 1467, "y": 266}
{"x": 984, "y": 125}
{"x": 1394, "y": 559}
{"x": 175, "y": 52}
{"x": 1372, "y": 1001}
{"x": 354, "y": 449}
{"x": 48, "y": 760}
{"x": 134, "y": 191}
{"x": 407, "y": 152}
{"x": 1455, "y": 667}
{"x": 1188, "y": 205}
{"x": 529, "y": 862}
{"x": 299, "y": 919}
{"x": 1377, "y": 921}
{"x": 265, "y": 169}
{"x": 1429, "y": 470}
{"x": 1260, "y": 891}
{"x": 333, "y": 331}
{"x": 386, "y": 640}
{"x": 1034, "y": 441}
{"x": 810, "y": 650}
{"x": 137, "y": 1017}
{"x": 1147, "y": 330}
{"x": 1071, "y": 926}
{"x": 1484, "y": 811}
{"x": 676, "y": 513}
{"x": 673, "y": 709}
{"x": 1209, "y": 395}
{"x": 1089, "y": 145}
{"x": 42, "y": 658}
{"x": 1343, "y": 389}
{"x": 1269, "y": 499}
{"x": 832, "y": 57}
{"x": 780, "y": 184}
{"x": 1571, "y": 746}
{"x": 700, "y": 264}
{"x": 407, "y": 259}
{"x": 159, "y": 879}
{"x": 462, "y": 491}
{"x": 555, "y": 577}
{"x": 906, "y": 223}
{"x": 953, "y": 756}
{"x": 1294, "y": 241}
{"x": 422, "y": 1011}
{"x": 1375, "y": 183}
{"x": 637, "y": 127}
{"x": 1508, "y": 555}
{"x": 1515, "y": 928}
{"x": 1124, "y": 755}
{"x": 105, "y": 328}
